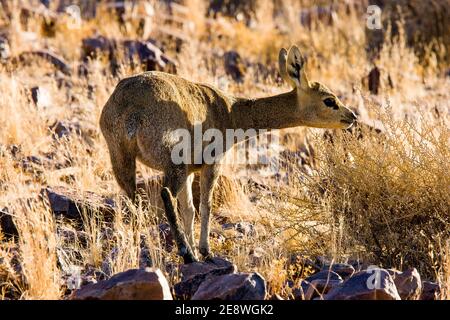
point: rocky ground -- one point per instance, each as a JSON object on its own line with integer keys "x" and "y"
{"x": 356, "y": 214}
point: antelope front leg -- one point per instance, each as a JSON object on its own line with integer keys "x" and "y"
{"x": 208, "y": 180}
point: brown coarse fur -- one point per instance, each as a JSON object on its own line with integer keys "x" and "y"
{"x": 141, "y": 116}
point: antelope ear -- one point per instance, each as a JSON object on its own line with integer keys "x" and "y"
{"x": 282, "y": 58}
{"x": 296, "y": 68}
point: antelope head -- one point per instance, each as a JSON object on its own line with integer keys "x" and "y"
{"x": 318, "y": 106}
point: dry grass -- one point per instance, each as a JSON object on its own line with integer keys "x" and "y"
{"x": 382, "y": 198}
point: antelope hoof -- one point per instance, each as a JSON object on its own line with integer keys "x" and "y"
{"x": 206, "y": 253}
{"x": 188, "y": 256}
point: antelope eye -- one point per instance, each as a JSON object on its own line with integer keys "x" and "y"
{"x": 330, "y": 102}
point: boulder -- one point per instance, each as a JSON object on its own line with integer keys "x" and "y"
{"x": 319, "y": 287}
{"x": 236, "y": 286}
{"x": 371, "y": 284}
{"x": 317, "y": 284}
{"x": 194, "y": 274}
{"x": 430, "y": 291}
{"x": 134, "y": 284}
{"x": 408, "y": 283}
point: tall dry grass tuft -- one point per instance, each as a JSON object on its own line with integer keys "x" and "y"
{"x": 388, "y": 192}
{"x": 37, "y": 248}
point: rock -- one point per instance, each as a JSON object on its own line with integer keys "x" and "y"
{"x": 234, "y": 66}
{"x": 7, "y": 226}
{"x": 64, "y": 128}
{"x": 319, "y": 287}
{"x": 374, "y": 80}
{"x": 70, "y": 204}
{"x": 371, "y": 284}
{"x": 149, "y": 55}
{"x": 236, "y": 286}
{"x": 430, "y": 291}
{"x": 245, "y": 228}
{"x": 318, "y": 280}
{"x": 408, "y": 283}
{"x": 134, "y": 284}
{"x": 57, "y": 61}
{"x": 91, "y": 47}
{"x": 343, "y": 269}
{"x": 194, "y": 274}
{"x": 144, "y": 52}
{"x": 298, "y": 292}
{"x": 324, "y": 274}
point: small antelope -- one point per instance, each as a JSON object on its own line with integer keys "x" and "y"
{"x": 144, "y": 110}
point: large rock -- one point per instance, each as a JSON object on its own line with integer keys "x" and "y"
{"x": 408, "y": 283}
{"x": 318, "y": 284}
{"x": 319, "y": 287}
{"x": 237, "y": 286}
{"x": 430, "y": 290}
{"x": 134, "y": 284}
{"x": 371, "y": 284}
{"x": 194, "y": 274}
